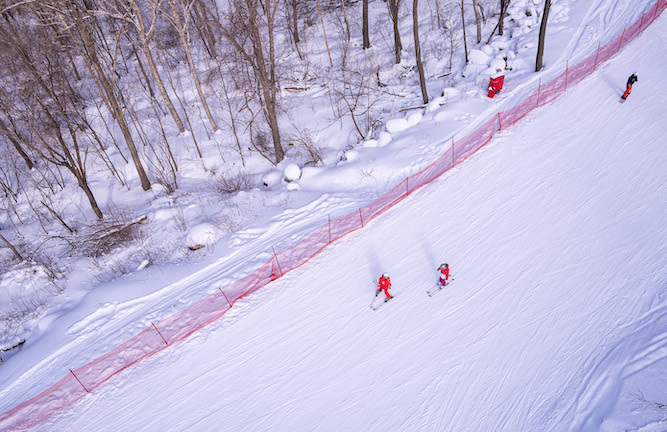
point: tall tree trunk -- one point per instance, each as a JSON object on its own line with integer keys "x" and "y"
{"x": 465, "y": 39}
{"x": 184, "y": 35}
{"x": 145, "y": 36}
{"x": 15, "y": 139}
{"x": 364, "y": 25}
{"x": 478, "y": 20}
{"x": 295, "y": 21}
{"x": 393, "y": 12}
{"x": 11, "y": 247}
{"x": 347, "y": 23}
{"x": 324, "y": 31}
{"x": 85, "y": 44}
{"x": 543, "y": 32}
{"x": 267, "y": 79}
{"x": 418, "y": 55}
{"x": 504, "y": 4}
{"x": 204, "y": 28}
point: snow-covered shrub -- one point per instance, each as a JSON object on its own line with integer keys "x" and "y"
{"x": 234, "y": 182}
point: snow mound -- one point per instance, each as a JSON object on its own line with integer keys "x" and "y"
{"x": 384, "y": 138}
{"x": 397, "y": 125}
{"x": 202, "y": 235}
{"x": 271, "y": 179}
{"x": 414, "y": 119}
{"x": 478, "y": 57}
{"x": 351, "y": 155}
{"x": 292, "y": 172}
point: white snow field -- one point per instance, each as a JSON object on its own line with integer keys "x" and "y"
{"x": 556, "y": 235}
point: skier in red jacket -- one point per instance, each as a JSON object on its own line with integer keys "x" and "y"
{"x": 383, "y": 285}
{"x": 443, "y": 273}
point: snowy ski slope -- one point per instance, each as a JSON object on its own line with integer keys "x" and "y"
{"x": 556, "y": 236}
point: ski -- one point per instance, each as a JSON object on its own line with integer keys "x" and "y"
{"x": 437, "y": 288}
{"x": 375, "y": 304}
{"x": 434, "y": 290}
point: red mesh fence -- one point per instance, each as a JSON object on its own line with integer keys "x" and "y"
{"x": 304, "y": 250}
{"x": 383, "y": 203}
{"x": 475, "y": 140}
{"x": 146, "y": 343}
{"x": 552, "y": 90}
{"x": 344, "y": 225}
{"x": 431, "y": 172}
{"x": 32, "y": 412}
{"x": 182, "y": 324}
{"x": 513, "y": 115}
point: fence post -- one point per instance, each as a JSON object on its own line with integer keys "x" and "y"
{"x": 329, "y": 229}
{"x": 277, "y": 262}
{"x": 407, "y": 187}
{"x": 223, "y": 293}
{"x": 158, "y": 332}
{"x": 453, "y": 161}
{"x": 77, "y": 378}
{"x": 597, "y": 53}
{"x": 361, "y": 218}
{"x": 620, "y": 42}
{"x": 567, "y": 71}
{"x": 499, "y": 125}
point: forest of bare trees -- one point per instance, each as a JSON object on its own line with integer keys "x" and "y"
{"x": 91, "y": 87}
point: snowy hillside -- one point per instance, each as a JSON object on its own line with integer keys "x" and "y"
{"x": 555, "y": 320}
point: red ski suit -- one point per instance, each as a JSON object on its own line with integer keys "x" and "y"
{"x": 384, "y": 285}
{"x": 444, "y": 275}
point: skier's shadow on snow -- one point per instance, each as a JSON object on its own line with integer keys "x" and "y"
{"x": 432, "y": 260}
{"x": 612, "y": 84}
{"x": 375, "y": 267}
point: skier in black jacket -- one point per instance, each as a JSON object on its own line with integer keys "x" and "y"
{"x": 633, "y": 79}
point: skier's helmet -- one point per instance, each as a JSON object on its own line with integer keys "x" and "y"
{"x": 444, "y": 266}
{"x": 385, "y": 275}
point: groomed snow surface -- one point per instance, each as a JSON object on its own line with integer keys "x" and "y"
{"x": 556, "y": 236}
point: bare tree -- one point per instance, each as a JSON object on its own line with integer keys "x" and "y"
{"x": 463, "y": 21}
{"x": 364, "y": 25}
{"x": 202, "y": 20}
{"x": 11, "y": 247}
{"x": 418, "y": 55}
{"x": 132, "y": 14}
{"x": 295, "y": 21}
{"x": 14, "y": 137}
{"x": 393, "y": 6}
{"x": 82, "y": 27}
{"x": 478, "y": 20}
{"x": 43, "y": 88}
{"x": 543, "y": 31}
{"x": 178, "y": 18}
{"x": 504, "y": 4}
{"x": 247, "y": 25}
